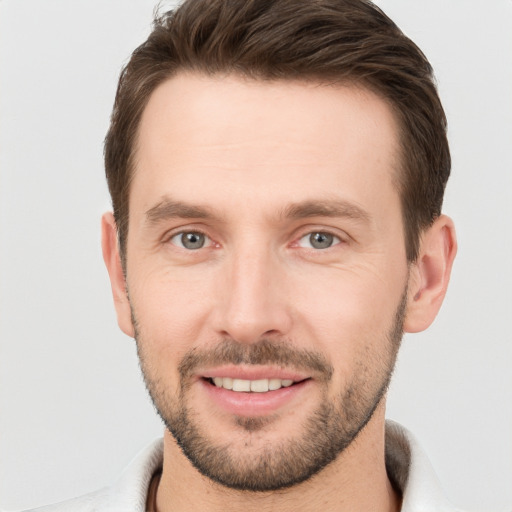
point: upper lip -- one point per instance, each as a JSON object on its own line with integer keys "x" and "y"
{"x": 253, "y": 372}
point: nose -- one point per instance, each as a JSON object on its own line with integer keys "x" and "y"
{"x": 252, "y": 302}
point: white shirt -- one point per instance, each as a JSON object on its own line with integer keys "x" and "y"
{"x": 407, "y": 465}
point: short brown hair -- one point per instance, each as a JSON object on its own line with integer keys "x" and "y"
{"x": 315, "y": 40}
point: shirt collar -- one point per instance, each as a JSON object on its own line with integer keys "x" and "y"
{"x": 410, "y": 471}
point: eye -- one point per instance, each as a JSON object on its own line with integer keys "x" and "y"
{"x": 319, "y": 240}
{"x": 191, "y": 240}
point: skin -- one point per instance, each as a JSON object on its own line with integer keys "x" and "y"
{"x": 252, "y": 156}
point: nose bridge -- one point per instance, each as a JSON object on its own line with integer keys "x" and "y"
{"x": 254, "y": 301}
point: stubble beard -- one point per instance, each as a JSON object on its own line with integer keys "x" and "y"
{"x": 326, "y": 433}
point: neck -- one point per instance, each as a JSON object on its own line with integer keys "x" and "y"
{"x": 355, "y": 481}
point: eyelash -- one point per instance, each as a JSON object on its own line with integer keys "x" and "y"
{"x": 209, "y": 242}
{"x": 335, "y": 239}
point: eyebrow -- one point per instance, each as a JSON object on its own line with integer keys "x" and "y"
{"x": 170, "y": 209}
{"x": 326, "y": 208}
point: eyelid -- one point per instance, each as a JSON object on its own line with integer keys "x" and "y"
{"x": 305, "y": 231}
{"x": 336, "y": 240}
{"x": 169, "y": 235}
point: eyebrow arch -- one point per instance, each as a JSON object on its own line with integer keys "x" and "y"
{"x": 326, "y": 208}
{"x": 170, "y": 209}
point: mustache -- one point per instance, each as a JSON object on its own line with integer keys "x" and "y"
{"x": 263, "y": 352}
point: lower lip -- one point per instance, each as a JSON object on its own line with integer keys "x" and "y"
{"x": 254, "y": 404}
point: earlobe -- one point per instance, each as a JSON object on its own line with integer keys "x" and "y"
{"x": 112, "y": 259}
{"x": 430, "y": 274}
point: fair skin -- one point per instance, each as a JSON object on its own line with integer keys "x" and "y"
{"x": 233, "y": 180}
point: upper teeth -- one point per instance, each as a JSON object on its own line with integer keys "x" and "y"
{"x": 257, "y": 386}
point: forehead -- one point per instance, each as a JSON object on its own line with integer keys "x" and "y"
{"x": 256, "y": 137}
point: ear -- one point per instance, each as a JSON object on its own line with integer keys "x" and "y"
{"x": 112, "y": 259}
{"x": 430, "y": 274}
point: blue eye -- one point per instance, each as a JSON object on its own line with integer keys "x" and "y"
{"x": 191, "y": 240}
{"x": 319, "y": 240}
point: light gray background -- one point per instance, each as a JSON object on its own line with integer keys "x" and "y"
{"x": 73, "y": 409}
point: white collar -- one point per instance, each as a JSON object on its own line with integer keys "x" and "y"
{"x": 410, "y": 470}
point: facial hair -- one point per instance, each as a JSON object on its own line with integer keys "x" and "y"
{"x": 325, "y": 433}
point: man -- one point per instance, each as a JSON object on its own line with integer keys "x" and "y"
{"x": 277, "y": 172}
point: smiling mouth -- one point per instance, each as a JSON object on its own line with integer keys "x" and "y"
{"x": 251, "y": 386}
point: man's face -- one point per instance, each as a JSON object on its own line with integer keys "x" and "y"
{"x": 265, "y": 248}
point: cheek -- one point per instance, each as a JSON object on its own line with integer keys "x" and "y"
{"x": 348, "y": 315}
{"x": 170, "y": 308}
